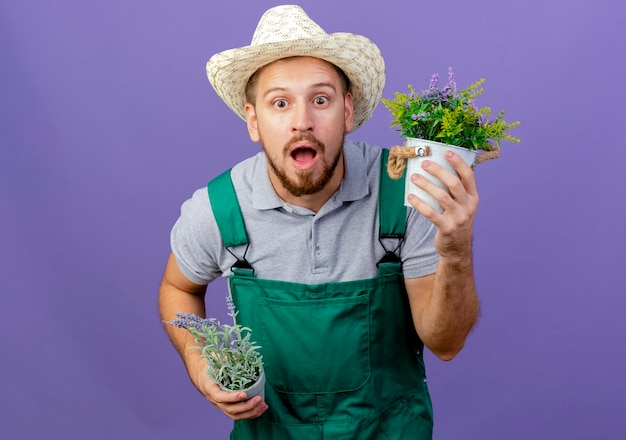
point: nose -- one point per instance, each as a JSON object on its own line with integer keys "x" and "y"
{"x": 303, "y": 120}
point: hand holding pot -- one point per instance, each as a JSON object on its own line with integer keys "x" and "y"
{"x": 455, "y": 223}
{"x": 235, "y": 405}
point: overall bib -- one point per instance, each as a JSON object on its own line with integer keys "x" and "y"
{"x": 342, "y": 360}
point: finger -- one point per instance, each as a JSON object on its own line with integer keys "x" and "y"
{"x": 218, "y": 395}
{"x": 247, "y": 409}
{"x": 430, "y": 187}
{"x": 450, "y": 180}
{"x": 235, "y": 405}
{"x": 465, "y": 172}
{"x": 424, "y": 208}
{"x": 464, "y": 190}
{"x": 442, "y": 195}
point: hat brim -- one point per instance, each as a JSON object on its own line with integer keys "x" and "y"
{"x": 358, "y": 57}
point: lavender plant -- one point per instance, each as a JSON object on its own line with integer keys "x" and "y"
{"x": 233, "y": 360}
{"x": 449, "y": 116}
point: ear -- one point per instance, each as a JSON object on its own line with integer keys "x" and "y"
{"x": 253, "y": 123}
{"x": 348, "y": 112}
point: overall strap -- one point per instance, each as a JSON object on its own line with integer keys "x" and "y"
{"x": 391, "y": 209}
{"x": 227, "y": 212}
{"x": 228, "y": 216}
{"x": 392, "y": 215}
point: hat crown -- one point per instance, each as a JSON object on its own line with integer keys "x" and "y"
{"x": 283, "y": 23}
{"x": 287, "y": 31}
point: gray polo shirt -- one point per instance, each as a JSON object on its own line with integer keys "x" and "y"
{"x": 291, "y": 243}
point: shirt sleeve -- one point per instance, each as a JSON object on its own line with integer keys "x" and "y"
{"x": 195, "y": 240}
{"x": 418, "y": 254}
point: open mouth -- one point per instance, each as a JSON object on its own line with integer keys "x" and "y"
{"x": 303, "y": 155}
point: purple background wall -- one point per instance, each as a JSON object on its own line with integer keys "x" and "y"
{"x": 107, "y": 124}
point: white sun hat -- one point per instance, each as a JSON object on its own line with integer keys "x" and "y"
{"x": 287, "y": 31}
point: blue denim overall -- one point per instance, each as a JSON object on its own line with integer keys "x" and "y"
{"x": 342, "y": 359}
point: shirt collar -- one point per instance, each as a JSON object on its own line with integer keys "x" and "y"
{"x": 353, "y": 186}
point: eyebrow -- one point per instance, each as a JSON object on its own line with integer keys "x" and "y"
{"x": 313, "y": 86}
{"x": 273, "y": 89}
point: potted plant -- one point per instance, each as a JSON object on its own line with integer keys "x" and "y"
{"x": 437, "y": 120}
{"x": 233, "y": 360}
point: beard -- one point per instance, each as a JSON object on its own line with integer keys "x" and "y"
{"x": 305, "y": 182}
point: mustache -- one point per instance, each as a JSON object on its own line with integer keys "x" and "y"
{"x": 304, "y": 137}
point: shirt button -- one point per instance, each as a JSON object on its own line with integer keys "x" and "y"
{"x": 319, "y": 254}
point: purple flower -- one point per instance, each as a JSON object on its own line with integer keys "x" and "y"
{"x": 434, "y": 95}
{"x": 188, "y": 321}
{"x": 434, "y": 80}
{"x": 451, "y": 81}
{"x": 230, "y": 304}
{"x": 417, "y": 116}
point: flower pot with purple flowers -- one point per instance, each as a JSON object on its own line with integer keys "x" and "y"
{"x": 436, "y": 120}
{"x": 233, "y": 360}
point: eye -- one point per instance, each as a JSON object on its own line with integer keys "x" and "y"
{"x": 280, "y": 103}
{"x": 321, "y": 100}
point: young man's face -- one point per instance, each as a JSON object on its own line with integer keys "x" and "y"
{"x": 300, "y": 116}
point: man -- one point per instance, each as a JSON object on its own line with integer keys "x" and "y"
{"x": 341, "y": 311}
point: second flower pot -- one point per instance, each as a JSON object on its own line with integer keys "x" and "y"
{"x": 256, "y": 389}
